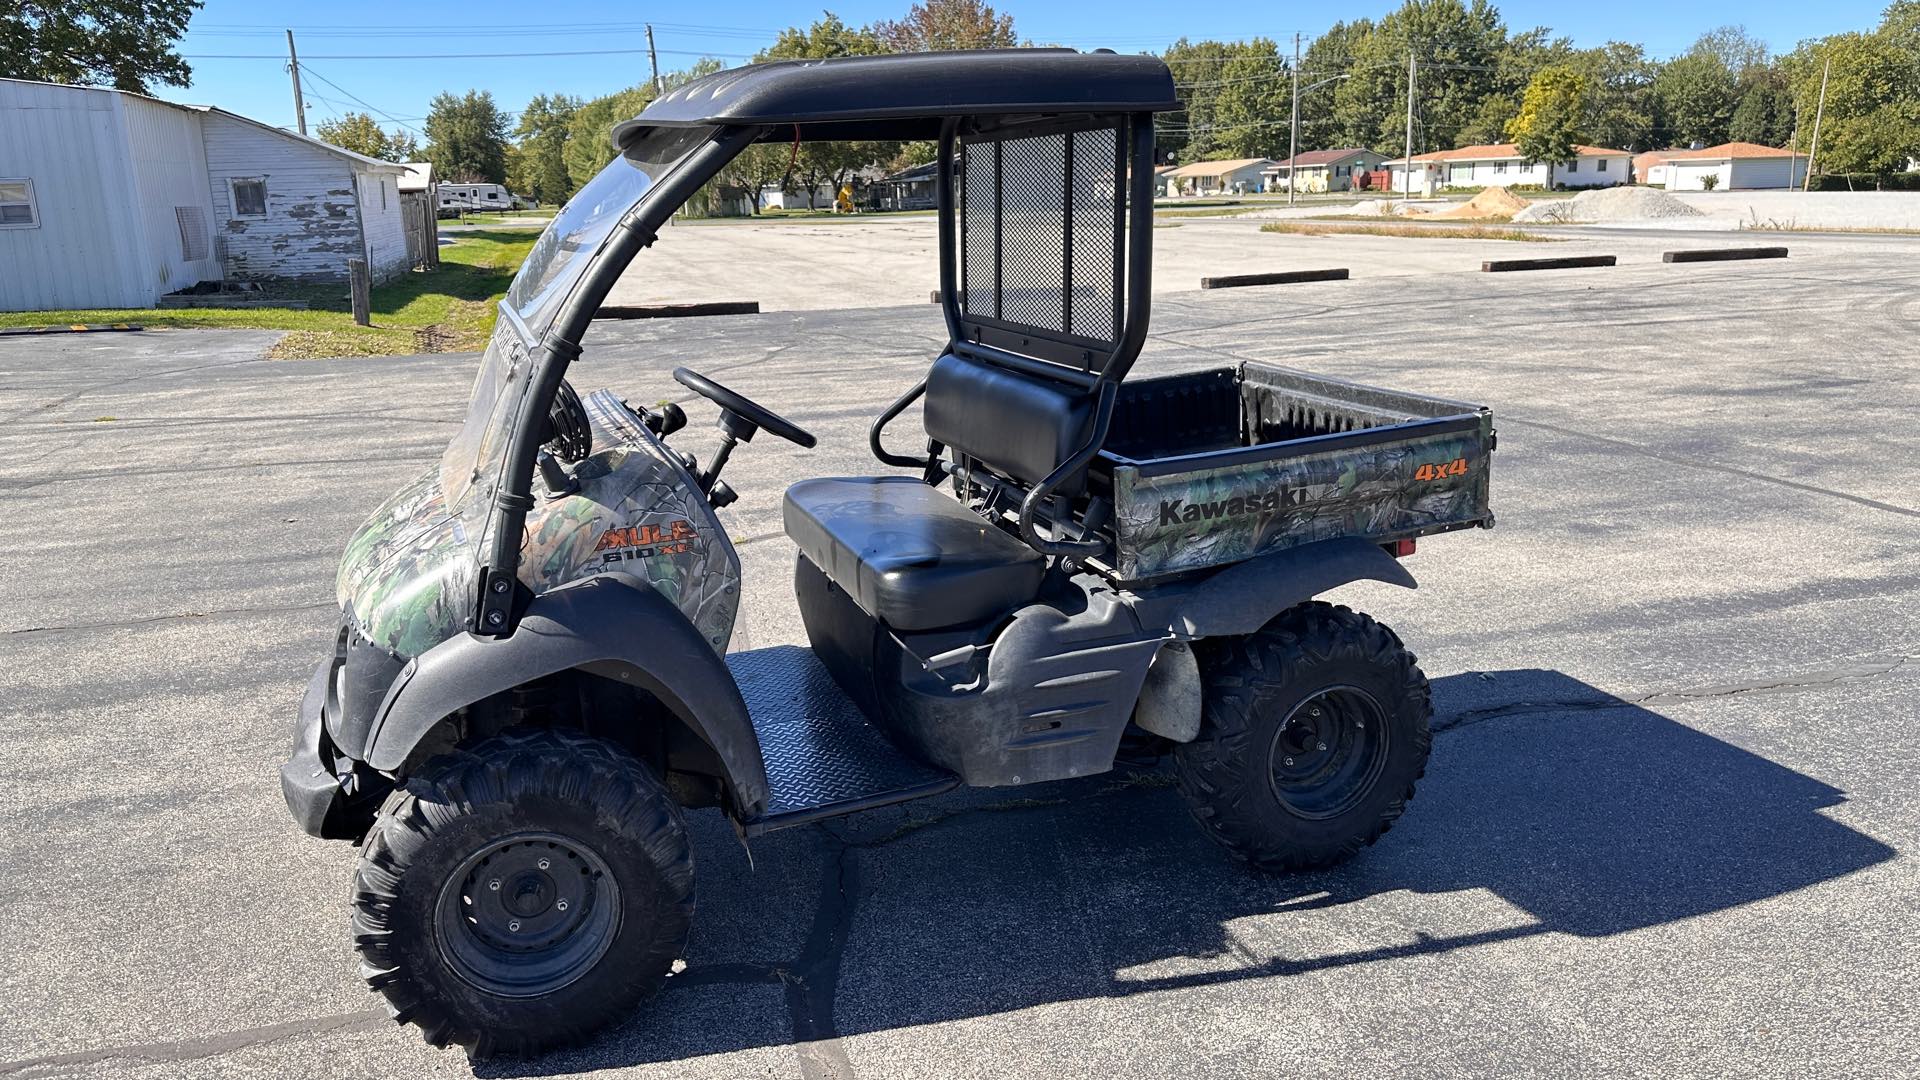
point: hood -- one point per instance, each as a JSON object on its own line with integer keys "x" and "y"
{"x": 407, "y": 577}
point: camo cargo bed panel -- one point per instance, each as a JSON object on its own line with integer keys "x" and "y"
{"x": 1216, "y": 467}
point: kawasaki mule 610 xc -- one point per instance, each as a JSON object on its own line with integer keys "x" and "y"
{"x": 531, "y": 680}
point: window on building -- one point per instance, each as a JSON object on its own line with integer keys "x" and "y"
{"x": 249, "y": 196}
{"x": 192, "y": 221}
{"x": 1499, "y": 167}
{"x": 1573, "y": 166}
{"x": 383, "y": 194}
{"x": 17, "y": 207}
{"x": 1603, "y": 165}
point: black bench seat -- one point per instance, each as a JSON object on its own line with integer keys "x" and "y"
{"x": 909, "y": 554}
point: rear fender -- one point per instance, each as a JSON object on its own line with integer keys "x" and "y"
{"x": 612, "y": 625}
{"x": 1246, "y": 596}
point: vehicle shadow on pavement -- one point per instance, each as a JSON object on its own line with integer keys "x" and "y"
{"x": 1549, "y": 807}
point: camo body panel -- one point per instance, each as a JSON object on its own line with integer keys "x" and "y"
{"x": 409, "y": 574}
{"x": 640, "y": 513}
{"x": 1212, "y": 517}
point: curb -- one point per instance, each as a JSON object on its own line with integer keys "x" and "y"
{"x": 1723, "y": 254}
{"x": 678, "y": 311}
{"x": 1237, "y": 281}
{"x": 1571, "y": 262}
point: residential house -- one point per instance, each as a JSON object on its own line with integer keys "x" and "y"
{"x": 1502, "y": 165}
{"x": 1322, "y": 170}
{"x": 909, "y": 189}
{"x": 110, "y": 199}
{"x": 1734, "y": 166}
{"x": 775, "y": 197}
{"x": 1236, "y": 177}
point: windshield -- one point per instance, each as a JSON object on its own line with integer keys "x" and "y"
{"x": 556, "y": 265}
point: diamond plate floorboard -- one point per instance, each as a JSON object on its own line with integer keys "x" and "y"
{"x": 819, "y": 748}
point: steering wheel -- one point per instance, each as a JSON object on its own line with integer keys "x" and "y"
{"x": 752, "y": 413}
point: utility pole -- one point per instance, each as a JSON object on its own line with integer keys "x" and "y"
{"x": 1818, "y": 111}
{"x": 1409, "y": 154}
{"x": 653, "y": 59}
{"x": 1793, "y": 147}
{"x": 299, "y": 103}
{"x": 1293, "y": 140}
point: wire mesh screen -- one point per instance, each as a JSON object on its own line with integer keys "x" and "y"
{"x": 1041, "y": 230}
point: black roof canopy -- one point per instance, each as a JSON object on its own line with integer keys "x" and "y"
{"x": 907, "y": 95}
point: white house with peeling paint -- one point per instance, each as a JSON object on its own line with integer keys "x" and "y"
{"x": 113, "y": 200}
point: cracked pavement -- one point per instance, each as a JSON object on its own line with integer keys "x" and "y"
{"x": 1664, "y": 831}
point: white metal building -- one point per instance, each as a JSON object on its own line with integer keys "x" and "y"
{"x": 1734, "y": 166}
{"x": 1502, "y": 165}
{"x": 111, "y": 200}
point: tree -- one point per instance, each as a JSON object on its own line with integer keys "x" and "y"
{"x": 1460, "y": 45}
{"x": 125, "y": 44}
{"x": 467, "y": 137}
{"x": 1551, "y": 122}
{"x": 1872, "y": 118}
{"x": 1620, "y": 100}
{"x": 1765, "y": 113}
{"x": 945, "y": 25}
{"x": 357, "y": 131}
{"x": 1489, "y": 123}
{"x": 1328, "y": 55}
{"x": 537, "y": 163}
{"x": 1697, "y": 93}
{"x": 828, "y": 164}
{"x": 589, "y": 142}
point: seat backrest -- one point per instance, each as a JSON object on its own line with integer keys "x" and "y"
{"x": 1017, "y": 425}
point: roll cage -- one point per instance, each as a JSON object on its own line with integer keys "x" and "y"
{"x": 1044, "y": 193}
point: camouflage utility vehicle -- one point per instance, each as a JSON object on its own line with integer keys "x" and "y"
{"x": 531, "y": 684}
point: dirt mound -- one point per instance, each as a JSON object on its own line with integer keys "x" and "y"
{"x": 1605, "y": 205}
{"x": 1493, "y": 202}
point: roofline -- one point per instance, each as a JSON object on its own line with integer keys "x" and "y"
{"x": 1342, "y": 155}
{"x": 1437, "y": 157}
{"x": 203, "y": 109}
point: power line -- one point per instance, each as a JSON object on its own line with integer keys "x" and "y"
{"x": 465, "y": 56}
{"x": 388, "y": 116}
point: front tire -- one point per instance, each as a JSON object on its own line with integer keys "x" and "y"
{"x": 520, "y": 895}
{"x": 1314, "y": 730}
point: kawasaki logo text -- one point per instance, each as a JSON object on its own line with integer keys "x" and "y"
{"x": 1179, "y": 511}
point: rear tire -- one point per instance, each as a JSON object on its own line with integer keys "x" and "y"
{"x": 1314, "y": 730}
{"x": 518, "y": 896}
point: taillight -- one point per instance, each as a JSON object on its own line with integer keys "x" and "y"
{"x": 1399, "y": 549}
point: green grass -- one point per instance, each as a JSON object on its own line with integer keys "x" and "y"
{"x": 450, "y": 309}
{"x": 1441, "y": 232}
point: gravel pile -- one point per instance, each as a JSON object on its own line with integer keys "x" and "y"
{"x": 1605, "y": 205}
{"x": 1493, "y": 202}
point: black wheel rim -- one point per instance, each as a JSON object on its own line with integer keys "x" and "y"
{"x": 528, "y": 914}
{"x": 1328, "y": 753}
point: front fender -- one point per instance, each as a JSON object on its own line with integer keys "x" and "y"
{"x": 613, "y": 625}
{"x": 1246, "y": 596}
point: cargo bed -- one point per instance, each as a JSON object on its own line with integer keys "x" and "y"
{"x": 1214, "y": 467}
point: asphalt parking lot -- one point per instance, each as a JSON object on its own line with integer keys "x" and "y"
{"x": 1667, "y": 828}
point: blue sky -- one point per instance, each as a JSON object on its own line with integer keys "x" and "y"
{"x": 224, "y": 39}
